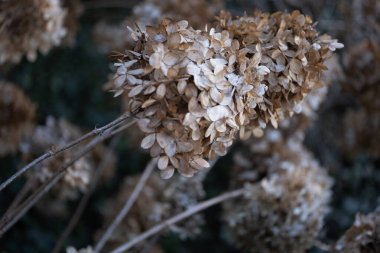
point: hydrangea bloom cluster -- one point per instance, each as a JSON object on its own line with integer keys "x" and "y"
{"x": 195, "y": 90}
{"x": 362, "y": 237}
{"x": 286, "y": 198}
{"x": 29, "y": 26}
{"x": 74, "y": 9}
{"x": 57, "y": 133}
{"x": 149, "y": 12}
{"x": 363, "y": 83}
{"x": 16, "y": 115}
{"x": 159, "y": 201}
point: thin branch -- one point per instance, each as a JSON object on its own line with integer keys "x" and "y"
{"x": 84, "y": 200}
{"x": 8, "y": 222}
{"x": 167, "y": 223}
{"x": 20, "y": 196}
{"x": 53, "y": 152}
{"x": 127, "y": 206}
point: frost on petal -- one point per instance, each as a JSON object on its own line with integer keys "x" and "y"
{"x": 183, "y": 147}
{"x": 155, "y": 60}
{"x": 262, "y": 70}
{"x": 216, "y": 95}
{"x": 148, "y": 141}
{"x": 164, "y": 139}
{"x": 193, "y": 69}
{"x": 135, "y": 91}
{"x": 195, "y": 108}
{"x": 199, "y": 163}
{"x": 163, "y": 162}
{"x": 171, "y": 149}
{"x": 161, "y": 90}
{"x": 181, "y": 86}
{"x": 218, "y": 64}
{"x": 167, "y": 173}
{"x": 217, "y": 112}
{"x": 119, "y": 81}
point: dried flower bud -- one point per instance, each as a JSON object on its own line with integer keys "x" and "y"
{"x": 195, "y": 90}
{"x": 362, "y": 237}
{"x": 29, "y": 26}
{"x": 283, "y": 212}
{"x": 160, "y": 200}
{"x": 16, "y": 115}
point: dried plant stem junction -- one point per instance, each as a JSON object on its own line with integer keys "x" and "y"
{"x": 192, "y": 210}
{"x": 128, "y": 205}
{"x": 8, "y": 221}
{"x": 53, "y": 152}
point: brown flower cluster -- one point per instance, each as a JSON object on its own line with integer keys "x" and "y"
{"x": 149, "y": 12}
{"x": 362, "y": 237}
{"x": 362, "y": 20}
{"x": 74, "y": 9}
{"x": 159, "y": 201}
{"x": 57, "y": 133}
{"x": 287, "y": 195}
{"x": 363, "y": 84}
{"x": 16, "y": 115}
{"x": 83, "y": 250}
{"x": 31, "y": 26}
{"x": 195, "y": 90}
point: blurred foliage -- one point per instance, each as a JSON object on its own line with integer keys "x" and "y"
{"x": 68, "y": 83}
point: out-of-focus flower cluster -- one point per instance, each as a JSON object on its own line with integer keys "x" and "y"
{"x": 363, "y": 84}
{"x": 159, "y": 201}
{"x": 286, "y": 199}
{"x": 116, "y": 37}
{"x": 16, "y": 115}
{"x": 84, "y": 250}
{"x": 362, "y": 237}
{"x": 31, "y": 26}
{"x": 57, "y": 133}
{"x": 195, "y": 90}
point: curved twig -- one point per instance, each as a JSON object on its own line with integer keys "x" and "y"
{"x": 189, "y": 212}
{"x": 8, "y": 222}
{"x": 127, "y": 206}
{"x": 54, "y": 152}
{"x": 83, "y": 202}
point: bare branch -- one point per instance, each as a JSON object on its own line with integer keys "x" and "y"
{"x": 127, "y": 206}
{"x": 53, "y": 152}
{"x": 191, "y": 211}
{"x": 84, "y": 200}
{"x": 8, "y": 222}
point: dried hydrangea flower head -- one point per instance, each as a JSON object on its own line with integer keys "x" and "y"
{"x": 149, "y": 12}
{"x": 363, "y": 84}
{"x": 362, "y": 237}
{"x": 195, "y": 90}
{"x": 16, "y": 115}
{"x": 57, "y": 133}
{"x": 29, "y": 26}
{"x": 361, "y": 133}
{"x": 362, "y": 20}
{"x": 361, "y": 67}
{"x": 73, "y": 9}
{"x": 284, "y": 211}
{"x": 293, "y": 52}
{"x": 83, "y": 250}
{"x": 159, "y": 201}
